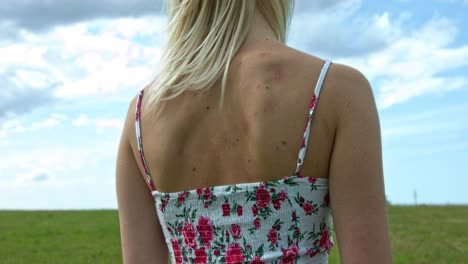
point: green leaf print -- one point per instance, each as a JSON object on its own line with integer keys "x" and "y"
{"x": 259, "y": 251}
{"x": 290, "y": 182}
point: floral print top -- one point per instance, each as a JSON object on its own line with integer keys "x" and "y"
{"x": 279, "y": 222}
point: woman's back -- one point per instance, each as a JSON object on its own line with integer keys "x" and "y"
{"x": 255, "y": 137}
{"x": 194, "y": 156}
{"x": 285, "y": 218}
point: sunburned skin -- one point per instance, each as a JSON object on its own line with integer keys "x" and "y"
{"x": 278, "y": 73}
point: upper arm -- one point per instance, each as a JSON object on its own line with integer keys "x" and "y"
{"x": 141, "y": 235}
{"x": 357, "y": 193}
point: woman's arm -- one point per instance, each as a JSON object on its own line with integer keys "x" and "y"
{"x": 356, "y": 175}
{"x": 141, "y": 234}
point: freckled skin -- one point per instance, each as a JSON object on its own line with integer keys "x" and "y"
{"x": 257, "y": 135}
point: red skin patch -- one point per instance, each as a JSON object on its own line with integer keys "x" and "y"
{"x": 278, "y": 73}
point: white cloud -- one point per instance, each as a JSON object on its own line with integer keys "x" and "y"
{"x": 108, "y": 123}
{"x": 99, "y": 123}
{"x": 403, "y": 60}
{"x": 16, "y": 126}
{"x": 82, "y": 120}
{"x": 48, "y": 123}
{"x": 93, "y": 58}
{"x": 416, "y": 62}
{"x": 400, "y": 90}
{"x": 11, "y": 126}
{"x": 56, "y": 159}
{"x": 347, "y": 34}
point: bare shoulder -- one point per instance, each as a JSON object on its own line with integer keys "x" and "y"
{"x": 344, "y": 82}
{"x": 346, "y": 90}
{"x": 349, "y": 86}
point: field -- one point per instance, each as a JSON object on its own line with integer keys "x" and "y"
{"x": 419, "y": 234}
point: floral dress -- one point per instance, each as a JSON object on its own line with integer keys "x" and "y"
{"x": 279, "y": 222}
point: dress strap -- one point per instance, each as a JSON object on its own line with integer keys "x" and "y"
{"x": 313, "y": 103}
{"x": 140, "y": 143}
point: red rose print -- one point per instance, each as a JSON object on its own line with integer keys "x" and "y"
{"x": 277, "y": 204}
{"x": 181, "y": 198}
{"x": 312, "y": 180}
{"x": 311, "y": 252}
{"x": 272, "y": 236}
{"x": 226, "y": 209}
{"x": 256, "y": 260}
{"x": 262, "y": 197}
{"x": 239, "y": 210}
{"x": 205, "y": 230}
{"x": 254, "y": 210}
{"x": 207, "y": 194}
{"x": 326, "y": 199}
{"x": 216, "y": 252}
{"x": 236, "y": 230}
{"x": 248, "y": 247}
{"x": 308, "y": 208}
{"x": 325, "y": 240}
{"x": 294, "y": 217}
{"x": 189, "y": 235}
{"x": 301, "y": 199}
{"x": 206, "y": 204}
{"x": 256, "y": 223}
{"x": 272, "y": 190}
{"x": 200, "y": 256}
{"x": 200, "y": 191}
{"x": 283, "y": 195}
{"x": 234, "y": 254}
{"x": 298, "y": 231}
{"x": 290, "y": 254}
{"x": 163, "y": 205}
{"x": 177, "y": 250}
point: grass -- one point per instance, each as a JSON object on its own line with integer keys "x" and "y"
{"x": 419, "y": 234}
{"x": 59, "y": 237}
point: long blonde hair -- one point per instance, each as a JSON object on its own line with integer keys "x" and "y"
{"x": 203, "y": 37}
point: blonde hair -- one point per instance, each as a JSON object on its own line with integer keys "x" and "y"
{"x": 203, "y": 37}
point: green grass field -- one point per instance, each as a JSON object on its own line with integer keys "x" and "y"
{"x": 422, "y": 234}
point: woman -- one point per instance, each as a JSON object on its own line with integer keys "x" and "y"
{"x": 222, "y": 174}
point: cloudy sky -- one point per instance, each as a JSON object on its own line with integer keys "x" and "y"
{"x": 68, "y": 70}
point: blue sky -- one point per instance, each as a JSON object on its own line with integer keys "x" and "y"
{"x": 68, "y": 73}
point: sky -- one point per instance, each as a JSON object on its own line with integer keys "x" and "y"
{"x": 69, "y": 69}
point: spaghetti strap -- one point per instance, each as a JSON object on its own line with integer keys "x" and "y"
{"x": 140, "y": 143}
{"x": 313, "y": 103}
